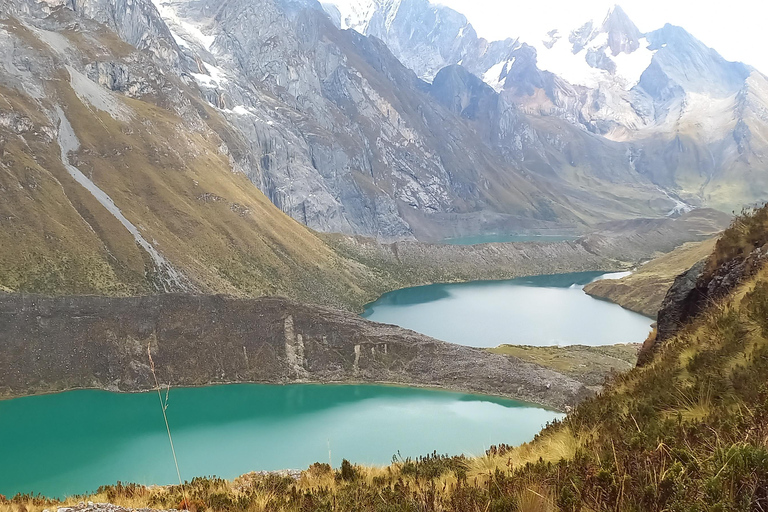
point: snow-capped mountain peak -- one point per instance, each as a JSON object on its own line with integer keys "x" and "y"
{"x": 424, "y": 36}
{"x": 357, "y": 14}
{"x": 623, "y": 34}
{"x": 612, "y": 52}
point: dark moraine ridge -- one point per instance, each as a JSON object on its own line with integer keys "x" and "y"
{"x": 50, "y": 344}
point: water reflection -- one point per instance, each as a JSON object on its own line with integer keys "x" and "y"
{"x": 74, "y": 442}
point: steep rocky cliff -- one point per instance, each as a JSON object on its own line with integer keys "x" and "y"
{"x": 365, "y": 149}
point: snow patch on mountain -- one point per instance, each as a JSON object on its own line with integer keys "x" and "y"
{"x": 631, "y": 66}
{"x": 556, "y": 56}
{"x": 591, "y": 62}
{"x": 357, "y": 14}
{"x": 215, "y": 77}
{"x": 183, "y": 32}
{"x": 497, "y": 74}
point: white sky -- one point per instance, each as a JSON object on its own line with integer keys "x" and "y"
{"x": 735, "y": 28}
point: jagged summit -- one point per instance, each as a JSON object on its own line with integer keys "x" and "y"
{"x": 358, "y": 14}
{"x": 664, "y": 92}
{"x": 623, "y": 34}
{"x": 424, "y": 36}
{"x": 614, "y": 51}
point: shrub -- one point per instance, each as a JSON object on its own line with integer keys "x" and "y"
{"x": 348, "y": 472}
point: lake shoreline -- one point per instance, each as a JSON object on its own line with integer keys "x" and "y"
{"x": 231, "y": 430}
{"x": 545, "y": 310}
{"x": 427, "y": 387}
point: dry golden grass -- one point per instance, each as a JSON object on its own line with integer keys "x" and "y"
{"x": 536, "y": 498}
{"x": 646, "y": 288}
{"x": 550, "y": 447}
{"x": 590, "y": 365}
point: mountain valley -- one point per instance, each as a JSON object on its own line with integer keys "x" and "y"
{"x": 680, "y": 115}
{"x": 220, "y": 195}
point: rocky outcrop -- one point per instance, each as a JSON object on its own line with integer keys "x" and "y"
{"x": 738, "y": 255}
{"x": 702, "y": 285}
{"x": 55, "y": 344}
{"x": 683, "y": 302}
{"x": 645, "y": 289}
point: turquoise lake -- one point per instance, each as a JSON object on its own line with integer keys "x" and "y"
{"x": 540, "y": 310}
{"x": 487, "y": 239}
{"x": 71, "y": 443}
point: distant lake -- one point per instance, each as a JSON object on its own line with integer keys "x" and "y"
{"x": 71, "y": 443}
{"x": 540, "y": 310}
{"x": 487, "y": 239}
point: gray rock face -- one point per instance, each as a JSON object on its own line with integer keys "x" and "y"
{"x": 329, "y": 121}
{"x": 681, "y": 303}
{"x": 657, "y": 93}
{"x": 691, "y": 65}
{"x": 623, "y": 34}
{"x": 343, "y": 137}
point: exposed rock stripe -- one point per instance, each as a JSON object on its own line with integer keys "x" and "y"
{"x": 170, "y": 279}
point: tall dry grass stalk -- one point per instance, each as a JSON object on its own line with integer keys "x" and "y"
{"x": 163, "y": 407}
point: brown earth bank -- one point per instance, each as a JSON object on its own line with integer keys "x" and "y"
{"x": 56, "y": 344}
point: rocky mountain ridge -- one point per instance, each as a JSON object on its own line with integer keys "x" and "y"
{"x": 418, "y": 172}
{"x": 687, "y": 119}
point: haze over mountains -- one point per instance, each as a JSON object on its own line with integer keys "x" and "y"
{"x": 690, "y": 121}
{"x": 180, "y": 135}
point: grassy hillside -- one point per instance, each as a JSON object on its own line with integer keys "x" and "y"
{"x": 644, "y": 290}
{"x": 688, "y": 432}
{"x": 206, "y": 219}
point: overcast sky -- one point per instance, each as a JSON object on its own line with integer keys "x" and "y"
{"x": 735, "y": 28}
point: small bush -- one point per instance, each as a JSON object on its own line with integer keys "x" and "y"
{"x": 348, "y": 472}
